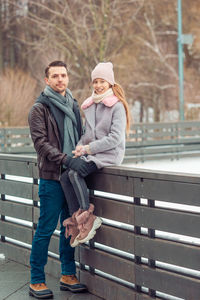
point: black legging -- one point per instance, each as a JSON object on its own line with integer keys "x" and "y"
{"x": 75, "y": 188}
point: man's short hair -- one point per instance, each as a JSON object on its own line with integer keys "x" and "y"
{"x": 56, "y": 63}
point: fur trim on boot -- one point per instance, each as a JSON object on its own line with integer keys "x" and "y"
{"x": 72, "y": 228}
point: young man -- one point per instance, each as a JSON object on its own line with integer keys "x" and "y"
{"x": 55, "y": 127}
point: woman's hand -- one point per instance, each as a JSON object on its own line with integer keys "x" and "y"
{"x": 79, "y": 151}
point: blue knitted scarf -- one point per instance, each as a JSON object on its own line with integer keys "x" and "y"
{"x": 65, "y": 104}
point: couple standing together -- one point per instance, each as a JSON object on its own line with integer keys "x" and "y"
{"x": 66, "y": 155}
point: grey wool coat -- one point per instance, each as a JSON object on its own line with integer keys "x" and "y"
{"x": 105, "y": 125}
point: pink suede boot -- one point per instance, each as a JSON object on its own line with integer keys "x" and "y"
{"x": 72, "y": 228}
{"x": 87, "y": 225}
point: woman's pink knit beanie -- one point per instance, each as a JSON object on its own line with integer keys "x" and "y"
{"x": 104, "y": 71}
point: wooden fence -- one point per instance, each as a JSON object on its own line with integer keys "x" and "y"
{"x": 146, "y": 141}
{"x": 163, "y": 140}
{"x": 16, "y": 140}
{"x": 148, "y": 245}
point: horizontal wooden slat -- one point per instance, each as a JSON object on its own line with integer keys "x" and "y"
{"x": 188, "y": 123}
{"x": 166, "y": 190}
{"x": 17, "y": 189}
{"x": 170, "y": 221}
{"x": 145, "y": 297}
{"x": 16, "y": 253}
{"x": 154, "y": 150}
{"x": 146, "y": 143}
{"x": 19, "y": 158}
{"x": 108, "y": 289}
{"x": 158, "y": 134}
{"x": 18, "y": 139}
{"x": 18, "y": 168}
{"x": 167, "y": 282}
{"x": 108, "y": 263}
{"x": 191, "y": 147}
{"x": 108, "y": 183}
{"x": 16, "y": 210}
{"x": 178, "y": 254}
{"x": 109, "y": 236}
{"x": 114, "y": 209}
{"x": 20, "y": 150}
{"x": 15, "y": 231}
{"x": 16, "y": 130}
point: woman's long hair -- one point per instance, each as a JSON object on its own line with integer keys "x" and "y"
{"x": 119, "y": 93}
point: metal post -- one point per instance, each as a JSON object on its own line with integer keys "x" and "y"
{"x": 180, "y": 63}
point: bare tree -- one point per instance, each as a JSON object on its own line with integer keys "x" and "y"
{"x": 138, "y": 36}
{"x": 82, "y": 33}
{"x": 156, "y": 69}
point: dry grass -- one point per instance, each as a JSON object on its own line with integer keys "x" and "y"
{"x": 16, "y": 97}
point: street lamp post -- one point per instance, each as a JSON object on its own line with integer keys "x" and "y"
{"x": 180, "y": 62}
{"x": 186, "y": 39}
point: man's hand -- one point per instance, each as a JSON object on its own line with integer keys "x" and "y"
{"x": 77, "y": 164}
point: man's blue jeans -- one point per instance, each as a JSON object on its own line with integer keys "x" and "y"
{"x": 52, "y": 205}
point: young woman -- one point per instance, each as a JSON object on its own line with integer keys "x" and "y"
{"x": 107, "y": 120}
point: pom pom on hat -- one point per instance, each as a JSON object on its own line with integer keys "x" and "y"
{"x": 104, "y": 71}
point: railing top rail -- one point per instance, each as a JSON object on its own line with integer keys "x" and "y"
{"x": 152, "y": 174}
{"x": 192, "y": 122}
{"x": 19, "y": 157}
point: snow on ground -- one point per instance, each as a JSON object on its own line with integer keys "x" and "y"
{"x": 183, "y": 165}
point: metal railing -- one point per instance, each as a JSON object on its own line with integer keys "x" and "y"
{"x": 148, "y": 245}
{"x": 146, "y": 141}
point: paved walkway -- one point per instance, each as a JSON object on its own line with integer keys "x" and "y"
{"x": 14, "y": 282}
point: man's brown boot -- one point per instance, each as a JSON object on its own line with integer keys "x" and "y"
{"x": 71, "y": 283}
{"x": 40, "y": 291}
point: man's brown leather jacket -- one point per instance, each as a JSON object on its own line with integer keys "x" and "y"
{"x": 45, "y": 136}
